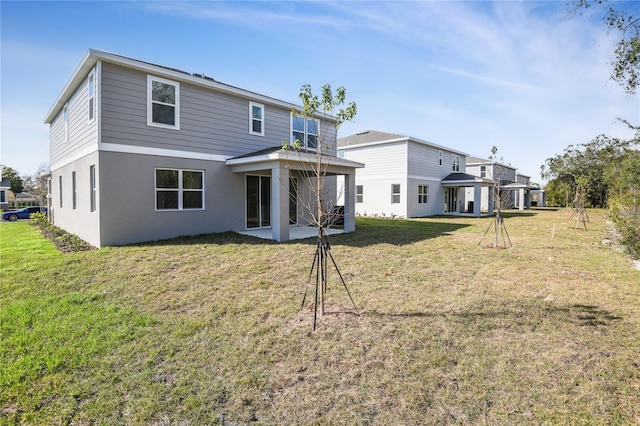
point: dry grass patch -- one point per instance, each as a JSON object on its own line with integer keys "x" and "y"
{"x": 449, "y": 333}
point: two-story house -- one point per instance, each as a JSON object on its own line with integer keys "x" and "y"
{"x": 408, "y": 177}
{"x": 515, "y": 188}
{"x": 144, "y": 152}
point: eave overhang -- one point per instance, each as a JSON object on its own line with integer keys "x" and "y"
{"x": 294, "y": 160}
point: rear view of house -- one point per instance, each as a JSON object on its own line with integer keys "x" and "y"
{"x": 409, "y": 177}
{"x": 143, "y": 152}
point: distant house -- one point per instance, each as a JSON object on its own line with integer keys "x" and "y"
{"x": 5, "y": 190}
{"x": 409, "y": 177}
{"x": 515, "y": 188}
{"x": 144, "y": 152}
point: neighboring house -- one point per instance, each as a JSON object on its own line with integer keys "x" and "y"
{"x": 24, "y": 198}
{"x": 515, "y": 188}
{"x": 143, "y": 152}
{"x": 5, "y": 189}
{"x": 408, "y": 177}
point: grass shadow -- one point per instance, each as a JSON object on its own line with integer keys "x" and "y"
{"x": 399, "y": 232}
{"x": 527, "y": 315}
{"x": 369, "y": 231}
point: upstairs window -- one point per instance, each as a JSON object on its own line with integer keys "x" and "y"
{"x": 455, "y": 163}
{"x": 163, "y": 103}
{"x": 483, "y": 171}
{"x": 440, "y": 156}
{"x": 179, "y": 189}
{"x": 92, "y": 95}
{"x": 306, "y": 131}
{"x": 395, "y": 193}
{"x": 359, "y": 194}
{"x": 423, "y": 194}
{"x": 256, "y": 119}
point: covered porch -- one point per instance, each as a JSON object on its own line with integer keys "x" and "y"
{"x": 272, "y": 172}
{"x": 463, "y": 194}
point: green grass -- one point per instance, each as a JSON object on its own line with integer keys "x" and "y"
{"x": 195, "y": 330}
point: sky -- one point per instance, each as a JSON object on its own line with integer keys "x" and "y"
{"x": 523, "y": 76}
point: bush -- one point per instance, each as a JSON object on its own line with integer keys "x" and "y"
{"x": 62, "y": 239}
{"x": 626, "y": 218}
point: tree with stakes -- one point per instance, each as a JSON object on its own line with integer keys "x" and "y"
{"x": 500, "y": 198}
{"x": 320, "y": 209}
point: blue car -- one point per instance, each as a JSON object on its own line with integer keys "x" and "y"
{"x": 23, "y": 213}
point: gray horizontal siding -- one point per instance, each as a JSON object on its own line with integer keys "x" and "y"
{"x": 380, "y": 160}
{"x": 210, "y": 122}
{"x": 81, "y": 132}
{"x": 424, "y": 161}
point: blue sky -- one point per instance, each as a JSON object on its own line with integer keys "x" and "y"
{"x": 522, "y": 76}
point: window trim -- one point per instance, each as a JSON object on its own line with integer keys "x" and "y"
{"x": 180, "y": 189}
{"x": 252, "y": 118}
{"x": 91, "y": 98}
{"x": 423, "y": 194}
{"x": 394, "y": 194}
{"x": 359, "y": 194}
{"x": 455, "y": 163}
{"x": 150, "y": 102}
{"x": 60, "y": 188}
{"x": 74, "y": 190}
{"x": 305, "y": 143}
{"x": 92, "y": 188}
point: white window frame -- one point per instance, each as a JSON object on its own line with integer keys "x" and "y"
{"x": 150, "y": 102}
{"x": 92, "y": 187}
{"x": 74, "y": 190}
{"x": 65, "y": 119}
{"x": 455, "y": 163}
{"x": 483, "y": 171}
{"x": 423, "y": 194}
{"x": 359, "y": 194}
{"x": 91, "y": 102}
{"x": 395, "y": 195}
{"x": 179, "y": 189}
{"x": 252, "y": 119}
{"x": 60, "y": 188}
{"x": 305, "y": 142}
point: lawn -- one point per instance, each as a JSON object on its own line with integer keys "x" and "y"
{"x": 209, "y": 329}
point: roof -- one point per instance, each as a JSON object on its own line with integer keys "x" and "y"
{"x": 474, "y": 161}
{"x": 295, "y": 159}
{"x": 375, "y": 137}
{"x": 458, "y": 177}
{"x": 93, "y": 56}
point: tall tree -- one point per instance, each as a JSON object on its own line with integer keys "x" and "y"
{"x": 588, "y": 161}
{"x": 16, "y": 181}
{"x": 623, "y": 17}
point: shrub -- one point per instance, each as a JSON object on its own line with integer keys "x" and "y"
{"x": 62, "y": 239}
{"x": 626, "y": 218}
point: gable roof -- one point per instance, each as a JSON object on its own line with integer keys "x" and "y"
{"x": 93, "y": 56}
{"x": 375, "y": 137}
{"x": 474, "y": 161}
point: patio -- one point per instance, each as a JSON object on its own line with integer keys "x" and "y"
{"x": 296, "y": 232}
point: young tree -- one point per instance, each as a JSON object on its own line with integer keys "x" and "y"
{"x": 500, "y": 199}
{"x": 329, "y": 106}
